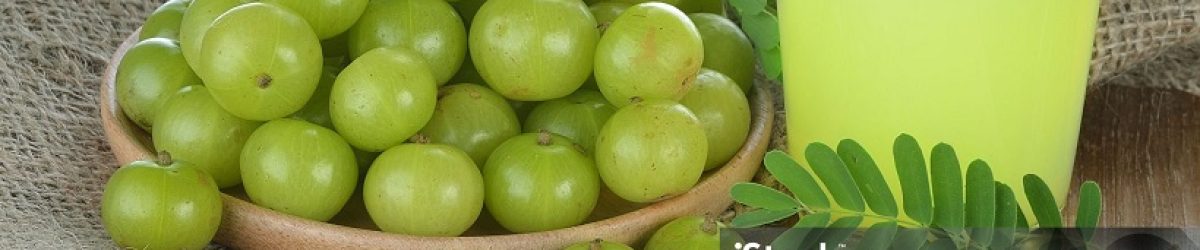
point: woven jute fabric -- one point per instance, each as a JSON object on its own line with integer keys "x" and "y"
{"x": 1130, "y": 32}
{"x": 54, "y": 159}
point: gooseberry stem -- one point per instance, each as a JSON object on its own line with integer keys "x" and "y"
{"x": 420, "y": 139}
{"x": 544, "y": 138}
{"x": 597, "y": 244}
{"x": 164, "y": 158}
{"x": 710, "y": 225}
{"x": 264, "y": 81}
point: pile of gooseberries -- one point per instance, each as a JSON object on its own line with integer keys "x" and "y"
{"x": 428, "y": 112}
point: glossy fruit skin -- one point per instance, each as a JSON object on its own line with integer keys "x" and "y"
{"x": 165, "y": 21}
{"x": 298, "y": 168}
{"x": 316, "y": 110}
{"x": 688, "y": 232}
{"x": 538, "y": 182}
{"x": 726, "y": 48}
{"x": 430, "y": 28}
{"x": 383, "y": 98}
{"x": 328, "y": 18}
{"x": 599, "y": 245}
{"x": 261, "y": 61}
{"x": 196, "y": 21}
{"x": 149, "y": 206}
{"x": 651, "y": 150}
{"x": 195, "y": 129}
{"x": 472, "y": 118}
{"x": 424, "y": 190}
{"x": 150, "y": 72}
{"x": 533, "y": 50}
{"x": 577, "y": 117}
{"x": 607, "y": 12}
{"x": 652, "y": 51}
{"x": 723, "y": 111}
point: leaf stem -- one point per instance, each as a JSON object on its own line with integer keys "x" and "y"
{"x": 836, "y": 211}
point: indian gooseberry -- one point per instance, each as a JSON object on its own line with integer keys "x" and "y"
{"x": 726, "y": 48}
{"x": 606, "y": 12}
{"x": 651, "y": 150}
{"x": 328, "y": 18}
{"x": 260, "y": 61}
{"x": 165, "y": 21}
{"x": 161, "y": 205}
{"x": 540, "y": 181}
{"x": 431, "y": 28}
{"x": 472, "y": 118}
{"x": 723, "y": 111}
{"x": 298, "y": 168}
{"x": 533, "y": 50}
{"x": 423, "y": 189}
{"x": 149, "y": 73}
{"x": 383, "y": 98}
{"x": 196, "y": 21}
{"x": 194, "y": 128}
{"x": 577, "y": 117}
{"x": 688, "y": 232}
{"x": 651, "y": 51}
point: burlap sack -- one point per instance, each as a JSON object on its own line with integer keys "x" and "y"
{"x": 55, "y": 162}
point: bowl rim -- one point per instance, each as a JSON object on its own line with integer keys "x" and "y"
{"x": 245, "y": 225}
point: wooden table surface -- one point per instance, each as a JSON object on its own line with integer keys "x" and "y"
{"x": 1143, "y": 147}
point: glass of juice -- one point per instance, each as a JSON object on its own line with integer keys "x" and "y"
{"x": 1000, "y": 80}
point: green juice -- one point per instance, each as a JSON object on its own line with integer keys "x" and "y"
{"x": 1000, "y": 80}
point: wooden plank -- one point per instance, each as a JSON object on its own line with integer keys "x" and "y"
{"x": 1143, "y": 147}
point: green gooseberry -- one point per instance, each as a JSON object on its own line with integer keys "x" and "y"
{"x": 577, "y": 117}
{"x": 723, "y": 111}
{"x": 298, "y": 168}
{"x": 538, "y": 182}
{"x": 194, "y": 128}
{"x": 149, "y": 73}
{"x": 472, "y": 118}
{"x": 726, "y": 48}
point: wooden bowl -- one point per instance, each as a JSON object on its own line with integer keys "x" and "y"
{"x": 245, "y": 225}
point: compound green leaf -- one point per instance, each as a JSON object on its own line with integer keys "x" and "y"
{"x": 1088, "y": 213}
{"x": 914, "y": 179}
{"x": 1006, "y": 217}
{"x": 1041, "y": 201}
{"x": 826, "y": 164}
{"x": 870, "y": 181}
{"x": 796, "y": 179}
{"x": 947, "y": 188}
{"x": 981, "y": 202}
{"x": 759, "y": 196}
